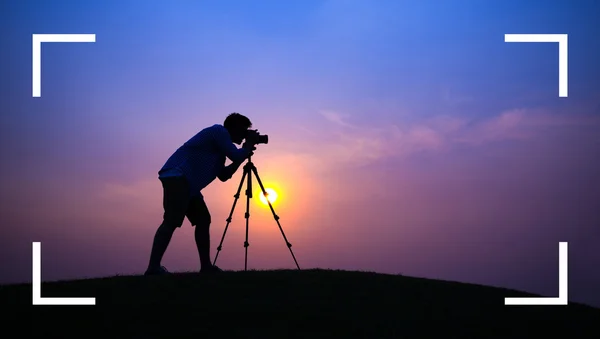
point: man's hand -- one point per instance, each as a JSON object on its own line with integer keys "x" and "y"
{"x": 250, "y": 147}
{"x": 251, "y": 141}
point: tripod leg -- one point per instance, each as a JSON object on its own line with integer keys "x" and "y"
{"x": 248, "y": 197}
{"x": 237, "y": 195}
{"x": 275, "y": 216}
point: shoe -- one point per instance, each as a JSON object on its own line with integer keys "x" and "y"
{"x": 210, "y": 269}
{"x": 157, "y": 271}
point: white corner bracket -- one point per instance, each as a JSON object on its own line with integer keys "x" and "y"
{"x": 563, "y": 54}
{"x": 37, "y": 285}
{"x": 36, "y": 55}
{"x": 563, "y": 297}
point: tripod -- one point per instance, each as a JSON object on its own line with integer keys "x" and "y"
{"x": 249, "y": 169}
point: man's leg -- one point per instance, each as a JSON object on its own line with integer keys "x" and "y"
{"x": 175, "y": 203}
{"x": 199, "y": 216}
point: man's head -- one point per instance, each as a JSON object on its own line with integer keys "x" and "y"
{"x": 238, "y": 126}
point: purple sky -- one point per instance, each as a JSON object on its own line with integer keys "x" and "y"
{"x": 405, "y": 137}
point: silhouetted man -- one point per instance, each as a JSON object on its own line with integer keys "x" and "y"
{"x": 191, "y": 168}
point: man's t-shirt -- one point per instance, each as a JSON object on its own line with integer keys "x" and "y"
{"x": 202, "y": 158}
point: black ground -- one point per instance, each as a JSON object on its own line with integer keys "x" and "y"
{"x": 287, "y": 304}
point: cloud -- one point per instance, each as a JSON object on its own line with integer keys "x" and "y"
{"x": 332, "y": 150}
{"x": 352, "y": 144}
{"x": 336, "y": 118}
{"x": 506, "y": 125}
{"x": 366, "y": 143}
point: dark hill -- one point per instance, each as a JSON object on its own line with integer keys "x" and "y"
{"x": 287, "y": 304}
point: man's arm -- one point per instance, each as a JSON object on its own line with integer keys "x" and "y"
{"x": 225, "y": 145}
{"x": 228, "y": 171}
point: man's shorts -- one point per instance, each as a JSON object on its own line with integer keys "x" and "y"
{"x": 178, "y": 204}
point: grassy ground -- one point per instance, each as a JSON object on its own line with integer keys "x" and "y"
{"x": 287, "y": 304}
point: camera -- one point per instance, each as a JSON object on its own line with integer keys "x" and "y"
{"x": 262, "y": 138}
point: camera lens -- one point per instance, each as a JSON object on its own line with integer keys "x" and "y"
{"x": 263, "y": 139}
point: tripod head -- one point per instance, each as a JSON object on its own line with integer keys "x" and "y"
{"x": 249, "y": 166}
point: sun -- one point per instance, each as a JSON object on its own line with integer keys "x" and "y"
{"x": 271, "y": 195}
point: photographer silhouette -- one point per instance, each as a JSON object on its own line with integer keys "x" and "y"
{"x": 192, "y": 167}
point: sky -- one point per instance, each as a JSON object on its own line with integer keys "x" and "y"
{"x": 404, "y": 136}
